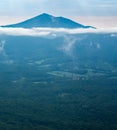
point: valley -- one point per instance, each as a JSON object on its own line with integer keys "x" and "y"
{"x": 44, "y": 85}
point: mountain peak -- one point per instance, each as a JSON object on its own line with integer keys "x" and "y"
{"x": 48, "y": 21}
{"x": 45, "y": 15}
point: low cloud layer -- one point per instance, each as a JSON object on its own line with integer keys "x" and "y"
{"x": 53, "y": 32}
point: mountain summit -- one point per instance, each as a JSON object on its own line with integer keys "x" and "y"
{"x": 46, "y": 20}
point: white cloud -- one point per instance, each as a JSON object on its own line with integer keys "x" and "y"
{"x": 2, "y": 43}
{"x": 53, "y": 32}
{"x": 2, "y": 50}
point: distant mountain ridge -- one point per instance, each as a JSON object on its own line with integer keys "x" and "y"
{"x": 46, "y": 21}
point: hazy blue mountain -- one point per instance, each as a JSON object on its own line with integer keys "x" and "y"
{"x": 46, "y": 20}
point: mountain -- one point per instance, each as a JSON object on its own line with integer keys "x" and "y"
{"x": 46, "y": 20}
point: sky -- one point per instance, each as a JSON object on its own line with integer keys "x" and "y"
{"x": 99, "y": 13}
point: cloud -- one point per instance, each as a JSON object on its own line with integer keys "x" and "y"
{"x": 70, "y": 41}
{"x": 2, "y": 50}
{"x": 53, "y": 32}
{"x": 2, "y": 43}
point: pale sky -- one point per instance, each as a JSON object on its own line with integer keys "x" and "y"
{"x": 99, "y": 13}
